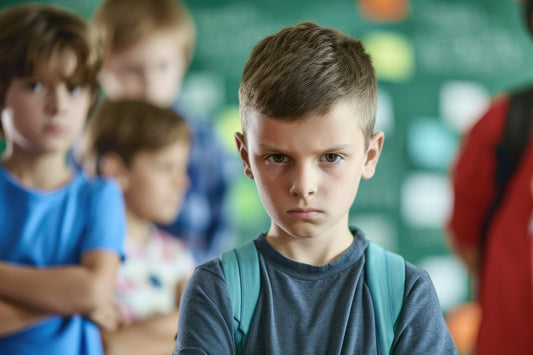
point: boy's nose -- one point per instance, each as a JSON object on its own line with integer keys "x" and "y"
{"x": 150, "y": 84}
{"x": 303, "y": 183}
{"x": 57, "y": 97}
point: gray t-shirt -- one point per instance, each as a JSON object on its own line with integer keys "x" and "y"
{"x": 305, "y": 309}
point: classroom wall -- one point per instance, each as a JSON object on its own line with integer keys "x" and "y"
{"x": 438, "y": 64}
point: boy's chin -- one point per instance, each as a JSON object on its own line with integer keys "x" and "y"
{"x": 165, "y": 219}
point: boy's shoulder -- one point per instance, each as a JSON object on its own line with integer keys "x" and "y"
{"x": 80, "y": 182}
{"x": 99, "y": 190}
{"x": 95, "y": 182}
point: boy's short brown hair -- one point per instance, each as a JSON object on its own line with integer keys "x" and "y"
{"x": 304, "y": 70}
{"x": 123, "y": 23}
{"x": 33, "y": 34}
{"x": 127, "y": 127}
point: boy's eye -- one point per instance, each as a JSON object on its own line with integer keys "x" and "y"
{"x": 75, "y": 89}
{"x": 35, "y": 86}
{"x": 276, "y": 158}
{"x": 331, "y": 158}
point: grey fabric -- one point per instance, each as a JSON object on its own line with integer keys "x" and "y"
{"x": 318, "y": 309}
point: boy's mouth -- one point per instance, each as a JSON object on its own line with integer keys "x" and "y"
{"x": 54, "y": 129}
{"x": 304, "y": 213}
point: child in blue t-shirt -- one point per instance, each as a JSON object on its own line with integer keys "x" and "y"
{"x": 61, "y": 232}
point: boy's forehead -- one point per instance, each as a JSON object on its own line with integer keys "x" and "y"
{"x": 177, "y": 151}
{"x": 344, "y": 108}
{"x": 59, "y": 66}
{"x": 338, "y": 125}
{"x": 164, "y": 147}
{"x": 162, "y": 41}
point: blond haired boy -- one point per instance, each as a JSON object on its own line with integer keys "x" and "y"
{"x": 61, "y": 231}
{"x": 149, "y": 46}
{"x": 308, "y": 101}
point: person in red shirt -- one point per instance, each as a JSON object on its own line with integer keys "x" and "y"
{"x": 502, "y": 268}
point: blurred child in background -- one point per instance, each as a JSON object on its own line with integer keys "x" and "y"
{"x": 147, "y": 53}
{"x": 61, "y": 232}
{"x": 146, "y": 149}
{"x": 489, "y": 223}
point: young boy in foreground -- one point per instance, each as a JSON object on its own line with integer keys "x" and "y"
{"x": 307, "y": 102}
{"x": 61, "y": 232}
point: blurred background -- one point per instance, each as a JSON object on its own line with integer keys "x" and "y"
{"x": 438, "y": 63}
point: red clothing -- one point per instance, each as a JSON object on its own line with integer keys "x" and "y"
{"x": 505, "y": 281}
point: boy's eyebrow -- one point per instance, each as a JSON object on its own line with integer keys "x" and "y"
{"x": 340, "y": 147}
{"x": 31, "y": 76}
{"x": 54, "y": 77}
{"x": 335, "y": 148}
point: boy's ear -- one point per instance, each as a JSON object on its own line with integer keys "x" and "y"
{"x": 372, "y": 154}
{"x": 243, "y": 152}
{"x": 112, "y": 165}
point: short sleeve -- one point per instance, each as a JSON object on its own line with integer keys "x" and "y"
{"x": 420, "y": 328}
{"x": 106, "y": 225}
{"x": 205, "y": 317}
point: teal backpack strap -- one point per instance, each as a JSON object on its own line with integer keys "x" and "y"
{"x": 241, "y": 271}
{"x": 385, "y": 273}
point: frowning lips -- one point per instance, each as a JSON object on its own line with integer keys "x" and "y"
{"x": 305, "y": 213}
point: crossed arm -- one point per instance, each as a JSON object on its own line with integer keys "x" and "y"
{"x": 15, "y": 317}
{"x": 155, "y": 335}
{"x": 28, "y": 294}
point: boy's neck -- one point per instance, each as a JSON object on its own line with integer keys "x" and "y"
{"x": 316, "y": 251}
{"x": 138, "y": 229}
{"x": 38, "y": 171}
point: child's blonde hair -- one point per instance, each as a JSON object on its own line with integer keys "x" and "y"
{"x": 34, "y": 34}
{"x": 123, "y": 23}
{"x": 127, "y": 127}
